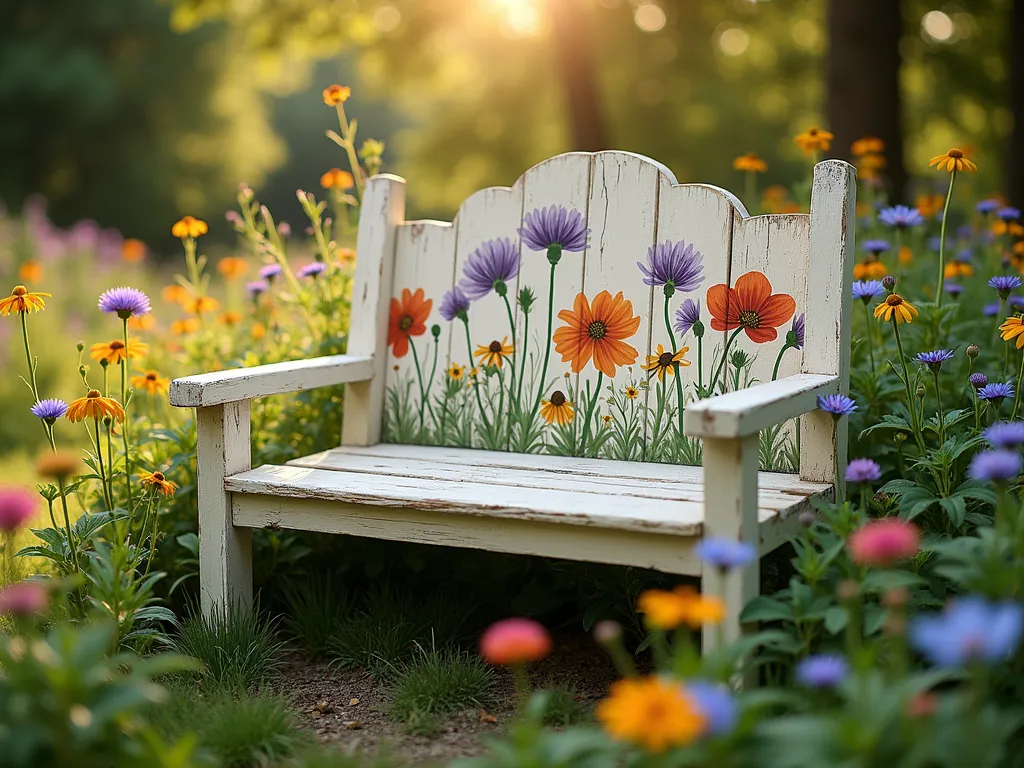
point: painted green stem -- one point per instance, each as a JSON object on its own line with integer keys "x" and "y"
{"x": 419, "y": 378}
{"x": 547, "y": 339}
{"x": 590, "y": 410}
{"x": 476, "y": 386}
{"x": 512, "y": 327}
{"x": 679, "y": 380}
{"x": 722, "y": 362}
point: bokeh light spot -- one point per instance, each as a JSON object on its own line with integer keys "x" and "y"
{"x": 649, "y": 17}
{"x": 938, "y": 26}
{"x": 387, "y": 18}
{"x": 733, "y": 41}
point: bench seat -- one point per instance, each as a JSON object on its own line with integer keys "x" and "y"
{"x": 629, "y": 513}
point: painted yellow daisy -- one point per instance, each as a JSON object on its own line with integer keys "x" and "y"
{"x": 457, "y": 372}
{"x": 895, "y": 306}
{"x": 557, "y": 409}
{"x": 665, "y": 362}
{"x": 632, "y": 393}
{"x": 22, "y": 300}
{"x": 494, "y": 353}
{"x": 953, "y": 161}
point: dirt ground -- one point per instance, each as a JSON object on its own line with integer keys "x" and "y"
{"x": 348, "y": 709}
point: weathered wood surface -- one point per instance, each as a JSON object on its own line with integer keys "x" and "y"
{"x": 209, "y": 389}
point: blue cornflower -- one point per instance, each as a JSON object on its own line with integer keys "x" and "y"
{"x": 454, "y": 304}
{"x": 822, "y": 671}
{"x": 996, "y": 391}
{"x": 125, "y": 302}
{"x": 1009, "y": 213}
{"x": 837, "y": 405}
{"x": 725, "y": 553}
{"x": 997, "y": 465}
{"x": 900, "y": 216}
{"x": 716, "y": 703}
{"x": 866, "y": 290}
{"x": 1005, "y": 434}
{"x": 969, "y": 629}
{"x": 678, "y": 265}
{"x": 991, "y": 310}
{"x": 314, "y": 269}
{"x": 876, "y": 247}
{"x": 935, "y": 359}
{"x": 964, "y": 254}
{"x": 270, "y": 271}
{"x": 987, "y": 206}
{"x": 953, "y": 289}
{"x": 687, "y": 317}
{"x": 934, "y": 243}
{"x": 257, "y": 287}
{"x": 554, "y": 227}
{"x": 1004, "y": 284}
{"x": 49, "y": 410}
{"x": 863, "y": 471}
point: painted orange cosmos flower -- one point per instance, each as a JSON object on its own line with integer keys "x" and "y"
{"x": 751, "y": 305}
{"x": 597, "y": 331}
{"x": 408, "y": 318}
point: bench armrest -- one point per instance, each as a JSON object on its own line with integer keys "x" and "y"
{"x": 747, "y": 411}
{"x": 237, "y": 384}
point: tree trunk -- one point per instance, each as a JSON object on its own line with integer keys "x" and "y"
{"x": 1015, "y": 180}
{"x": 571, "y": 38}
{"x": 863, "y": 80}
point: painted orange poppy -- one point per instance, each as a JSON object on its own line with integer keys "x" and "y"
{"x": 751, "y": 305}
{"x": 596, "y": 331}
{"x": 408, "y": 318}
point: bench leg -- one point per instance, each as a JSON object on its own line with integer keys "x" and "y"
{"x": 730, "y": 512}
{"x": 225, "y": 552}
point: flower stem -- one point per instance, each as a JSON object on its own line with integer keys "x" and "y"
{"x": 72, "y": 545}
{"x": 419, "y": 378}
{"x": 906, "y": 385}
{"x": 679, "y": 380}
{"x": 778, "y": 361}
{"x": 512, "y": 326}
{"x": 722, "y": 362}
{"x": 547, "y": 339}
{"x": 700, "y": 363}
{"x": 871, "y": 346}
{"x": 430, "y": 382}
{"x": 124, "y": 425}
{"x": 942, "y": 241}
{"x": 99, "y": 458}
{"x": 590, "y": 411}
{"x": 1016, "y": 394}
{"x": 522, "y": 371}
{"x": 476, "y": 386}
{"x": 938, "y": 404}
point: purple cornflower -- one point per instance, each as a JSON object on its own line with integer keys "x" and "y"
{"x": 900, "y": 216}
{"x": 126, "y": 302}
{"x": 837, "y": 405}
{"x": 863, "y": 471}
{"x": 823, "y": 670}
{"x": 716, "y": 703}
{"x": 677, "y": 265}
{"x": 725, "y": 553}
{"x": 978, "y": 380}
{"x": 1005, "y": 434}
{"x": 934, "y": 243}
{"x": 998, "y": 465}
{"x": 866, "y": 290}
{"x": 489, "y": 268}
{"x": 876, "y": 247}
{"x": 454, "y": 304}
{"x": 688, "y": 316}
{"x": 935, "y": 359}
{"x": 256, "y": 287}
{"x": 990, "y": 310}
{"x": 1017, "y": 301}
{"x": 953, "y": 289}
{"x": 1004, "y": 284}
{"x": 969, "y": 629}
{"x": 544, "y": 228}
{"x": 314, "y": 269}
{"x": 270, "y": 271}
{"x": 1009, "y": 213}
{"x": 795, "y": 335}
{"x": 964, "y": 254}
{"x": 987, "y": 206}
{"x": 49, "y": 410}
{"x": 996, "y": 392}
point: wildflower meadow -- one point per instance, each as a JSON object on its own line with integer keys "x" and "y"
{"x": 890, "y": 627}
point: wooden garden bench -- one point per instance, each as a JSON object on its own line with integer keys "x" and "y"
{"x": 412, "y": 472}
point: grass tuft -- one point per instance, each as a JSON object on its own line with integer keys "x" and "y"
{"x": 238, "y": 647}
{"x": 437, "y": 682}
{"x": 317, "y": 608}
{"x": 562, "y": 707}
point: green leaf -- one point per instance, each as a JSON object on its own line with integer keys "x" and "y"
{"x": 765, "y": 608}
{"x": 836, "y": 619}
{"x": 956, "y": 509}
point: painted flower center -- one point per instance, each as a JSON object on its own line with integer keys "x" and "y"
{"x": 495, "y": 346}
{"x": 557, "y": 398}
{"x": 19, "y": 290}
{"x": 631, "y": 392}
{"x": 405, "y": 323}
{"x": 893, "y": 300}
{"x": 665, "y": 359}
{"x": 93, "y": 394}
{"x": 597, "y": 329}
{"x": 117, "y": 345}
{"x": 956, "y": 154}
{"x": 749, "y": 319}
{"x": 158, "y": 476}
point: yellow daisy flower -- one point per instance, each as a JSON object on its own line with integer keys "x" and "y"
{"x": 94, "y": 406}
{"x": 151, "y": 382}
{"x": 189, "y": 226}
{"x": 494, "y": 353}
{"x": 750, "y": 163}
{"x": 557, "y": 410}
{"x": 814, "y": 140}
{"x": 632, "y": 393}
{"x": 651, "y": 712}
{"x": 157, "y": 482}
{"x": 1013, "y": 328}
{"x": 952, "y": 161}
{"x": 115, "y": 351}
{"x": 664, "y": 362}
{"x": 895, "y": 306}
{"x": 22, "y": 300}
{"x": 457, "y": 372}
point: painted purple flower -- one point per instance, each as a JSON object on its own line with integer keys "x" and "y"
{"x": 256, "y": 287}
{"x": 1004, "y": 284}
{"x": 314, "y": 269}
{"x": 489, "y": 268}
{"x": 554, "y": 226}
{"x": 125, "y": 302}
{"x": 454, "y": 304}
{"x": 987, "y": 206}
{"x": 270, "y": 271}
{"x": 837, "y": 405}
{"x": 1005, "y": 434}
{"x": 863, "y": 471}
{"x": 953, "y": 289}
{"x": 866, "y": 290}
{"x": 978, "y": 380}
{"x": 1009, "y": 213}
{"x": 678, "y": 265}
{"x": 687, "y": 316}
{"x": 900, "y": 216}
{"x": 996, "y": 392}
{"x": 725, "y": 553}
{"x": 876, "y": 247}
{"x": 795, "y": 335}
{"x": 716, "y": 703}
{"x": 935, "y": 359}
{"x": 998, "y": 465}
{"x": 824, "y": 670}
{"x": 49, "y": 410}
{"x": 969, "y": 629}
{"x": 990, "y": 310}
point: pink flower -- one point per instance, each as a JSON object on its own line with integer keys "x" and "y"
{"x": 23, "y": 599}
{"x": 515, "y": 641}
{"x": 17, "y": 506}
{"x": 882, "y": 542}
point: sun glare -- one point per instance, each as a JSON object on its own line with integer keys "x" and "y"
{"x": 521, "y": 17}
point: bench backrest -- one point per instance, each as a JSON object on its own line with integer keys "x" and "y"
{"x": 459, "y": 354}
